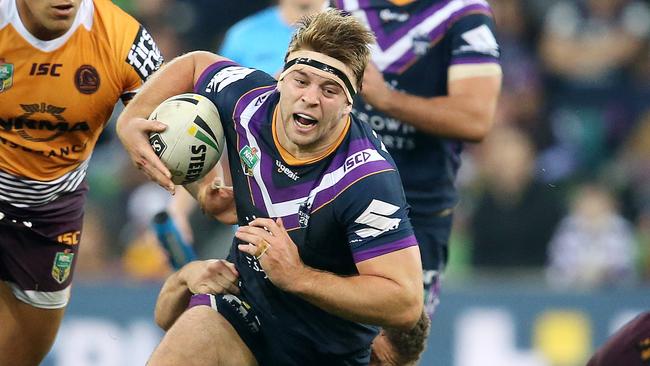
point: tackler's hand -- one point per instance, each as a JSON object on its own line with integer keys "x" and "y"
{"x": 214, "y": 276}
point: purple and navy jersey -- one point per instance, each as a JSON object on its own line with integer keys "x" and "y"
{"x": 416, "y": 44}
{"x": 340, "y": 209}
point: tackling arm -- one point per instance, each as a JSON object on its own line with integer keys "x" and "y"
{"x": 199, "y": 277}
{"x": 172, "y": 301}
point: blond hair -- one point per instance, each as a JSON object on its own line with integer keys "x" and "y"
{"x": 336, "y": 34}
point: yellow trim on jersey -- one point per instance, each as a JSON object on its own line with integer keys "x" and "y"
{"x": 465, "y": 71}
{"x": 290, "y": 159}
{"x": 401, "y": 2}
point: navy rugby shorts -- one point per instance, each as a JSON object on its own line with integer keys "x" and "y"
{"x": 270, "y": 345}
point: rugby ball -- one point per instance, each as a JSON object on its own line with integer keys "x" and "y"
{"x": 193, "y": 141}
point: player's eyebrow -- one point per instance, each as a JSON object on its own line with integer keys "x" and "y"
{"x": 325, "y": 81}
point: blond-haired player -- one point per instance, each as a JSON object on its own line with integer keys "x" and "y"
{"x": 325, "y": 251}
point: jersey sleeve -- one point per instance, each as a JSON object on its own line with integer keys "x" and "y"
{"x": 226, "y": 82}
{"x": 473, "y": 41}
{"x": 375, "y": 214}
{"x": 137, "y": 53}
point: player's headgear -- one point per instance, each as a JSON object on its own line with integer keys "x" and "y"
{"x": 324, "y": 66}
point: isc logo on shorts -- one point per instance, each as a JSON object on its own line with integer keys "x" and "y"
{"x": 71, "y": 238}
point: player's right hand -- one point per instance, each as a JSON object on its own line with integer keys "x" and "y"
{"x": 269, "y": 242}
{"x": 134, "y": 134}
{"x": 214, "y": 276}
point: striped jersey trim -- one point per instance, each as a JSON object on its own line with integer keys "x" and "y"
{"x": 391, "y": 49}
{"x": 287, "y": 208}
{"x": 22, "y": 192}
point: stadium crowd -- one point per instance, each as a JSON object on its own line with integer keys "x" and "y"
{"x": 560, "y": 188}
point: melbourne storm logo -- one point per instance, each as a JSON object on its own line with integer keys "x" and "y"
{"x": 36, "y": 123}
{"x": 421, "y": 44}
{"x": 304, "y": 211}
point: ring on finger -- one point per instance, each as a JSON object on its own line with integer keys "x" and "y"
{"x": 261, "y": 249}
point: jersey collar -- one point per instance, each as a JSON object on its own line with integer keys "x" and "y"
{"x": 84, "y": 17}
{"x": 290, "y": 159}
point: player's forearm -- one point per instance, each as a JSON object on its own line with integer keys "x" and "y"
{"x": 363, "y": 298}
{"x": 587, "y": 55}
{"x": 172, "y": 301}
{"x": 464, "y": 117}
{"x": 176, "y": 77}
{"x": 173, "y": 78}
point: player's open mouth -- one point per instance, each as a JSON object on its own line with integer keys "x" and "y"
{"x": 63, "y": 10}
{"x": 303, "y": 120}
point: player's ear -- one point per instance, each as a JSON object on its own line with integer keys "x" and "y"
{"x": 280, "y": 85}
{"x": 347, "y": 109}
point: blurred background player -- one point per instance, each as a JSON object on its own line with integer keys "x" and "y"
{"x": 260, "y": 40}
{"x": 434, "y": 84}
{"x": 63, "y": 66}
